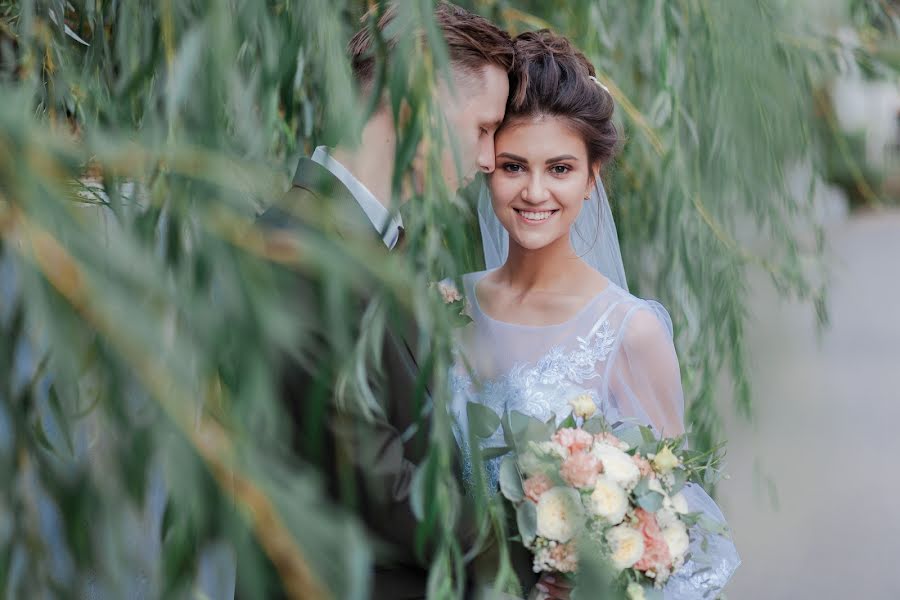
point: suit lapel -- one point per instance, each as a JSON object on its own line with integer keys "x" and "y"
{"x": 347, "y": 219}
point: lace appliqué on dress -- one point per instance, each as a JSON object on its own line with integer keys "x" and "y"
{"x": 540, "y": 389}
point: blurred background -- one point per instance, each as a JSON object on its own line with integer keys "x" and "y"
{"x": 757, "y": 196}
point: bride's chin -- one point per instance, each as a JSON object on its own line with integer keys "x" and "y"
{"x": 532, "y": 244}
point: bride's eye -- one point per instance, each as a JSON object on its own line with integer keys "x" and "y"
{"x": 560, "y": 169}
{"x": 513, "y": 168}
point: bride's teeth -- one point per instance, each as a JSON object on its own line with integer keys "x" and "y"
{"x": 537, "y": 216}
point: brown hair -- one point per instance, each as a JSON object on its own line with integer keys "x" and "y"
{"x": 551, "y": 77}
{"x": 473, "y": 41}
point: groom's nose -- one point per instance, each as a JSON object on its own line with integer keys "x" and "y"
{"x": 486, "y": 160}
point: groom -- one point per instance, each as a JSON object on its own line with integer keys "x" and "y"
{"x": 353, "y": 184}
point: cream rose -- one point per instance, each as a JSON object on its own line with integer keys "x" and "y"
{"x": 617, "y": 465}
{"x": 559, "y": 514}
{"x": 634, "y": 591}
{"x": 680, "y": 504}
{"x": 627, "y": 545}
{"x": 676, "y": 537}
{"x": 530, "y": 463}
{"x": 665, "y": 461}
{"x": 608, "y": 500}
{"x": 666, "y": 516}
{"x": 549, "y": 448}
{"x": 583, "y": 406}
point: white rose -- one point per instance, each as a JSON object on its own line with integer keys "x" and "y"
{"x": 617, "y": 465}
{"x": 583, "y": 406}
{"x": 608, "y": 500}
{"x": 549, "y": 448}
{"x": 529, "y": 463}
{"x": 634, "y": 591}
{"x": 676, "y": 537}
{"x": 654, "y": 485}
{"x": 680, "y": 504}
{"x": 559, "y": 514}
{"x": 627, "y": 545}
{"x": 665, "y": 517}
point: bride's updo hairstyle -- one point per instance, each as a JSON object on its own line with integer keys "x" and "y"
{"x": 551, "y": 78}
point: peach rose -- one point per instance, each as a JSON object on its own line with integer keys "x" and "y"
{"x": 564, "y": 557}
{"x": 536, "y": 485}
{"x": 574, "y": 440}
{"x": 656, "y": 555}
{"x": 643, "y": 464}
{"x": 608, "y": 438}
{"x": 581, "y": 469}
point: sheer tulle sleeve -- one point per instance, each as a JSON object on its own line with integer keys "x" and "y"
{"x": 644, "y": 377}
{"x": 645, "y": 383}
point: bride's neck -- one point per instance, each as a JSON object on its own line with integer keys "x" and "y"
{"x": 542, "y": 269}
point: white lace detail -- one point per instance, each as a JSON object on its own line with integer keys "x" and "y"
{"x": 542, "y": 389}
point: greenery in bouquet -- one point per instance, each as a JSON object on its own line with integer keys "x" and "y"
{"x": 587, "y": 492}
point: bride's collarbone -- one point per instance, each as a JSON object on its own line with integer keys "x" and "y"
{"x": 533, "y": 308}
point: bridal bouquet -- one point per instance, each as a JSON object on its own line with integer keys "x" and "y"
{"x": 582, "y": 492}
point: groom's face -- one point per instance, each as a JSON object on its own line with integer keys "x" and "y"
{"x": 474, "y": 112}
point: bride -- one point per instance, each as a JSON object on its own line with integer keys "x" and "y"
{"x": 552, "y": 317}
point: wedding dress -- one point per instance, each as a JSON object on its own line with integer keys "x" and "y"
{"x": 618, "y": 348}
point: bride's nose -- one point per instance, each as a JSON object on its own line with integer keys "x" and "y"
{"x": 536, "y": 191}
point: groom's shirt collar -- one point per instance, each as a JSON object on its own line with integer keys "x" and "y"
{"x": 376, "y": 212}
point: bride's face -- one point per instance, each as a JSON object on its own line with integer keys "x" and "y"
{"x": 541, "y": 179}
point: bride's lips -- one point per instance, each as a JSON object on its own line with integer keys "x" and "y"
{"x": 535, "y": 217}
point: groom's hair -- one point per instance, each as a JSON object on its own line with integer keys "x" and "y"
{"x": 473, "y": 42}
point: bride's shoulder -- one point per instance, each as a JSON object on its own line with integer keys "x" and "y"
{"x": 638, "y": 318}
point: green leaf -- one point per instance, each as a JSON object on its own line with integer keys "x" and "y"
{"x": 494, "y": 452}
{"x": 483, "y": 421}
{"x": 61, "y": 419}
{"x": 417, "y": 492}
{"x": 526, "y": 519}
{"x": 525, "y": 428}
{"x": 647, "y": 435}
{"x": 650, "y": 501}
{"x": 568, "y": 422}
{"x": 511, "y": 480}
{"x": 679, "y": 478}
{"x": 596, "y": 424}
{"x": 631, "y": 435}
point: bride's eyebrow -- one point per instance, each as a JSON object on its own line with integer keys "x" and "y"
{"x": 560, "y": 158}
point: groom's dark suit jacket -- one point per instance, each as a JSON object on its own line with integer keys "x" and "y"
{"x": 368, "y": 463}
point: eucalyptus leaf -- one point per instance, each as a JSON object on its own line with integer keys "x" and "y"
{"x": 631, "y": 435}
{"x": 650, "y": 501}
{"x": 483, "y": 421}
{"x": 526, "y": 519}
{"x": 511, "y": 480}
{"x": 494, "y": 452}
